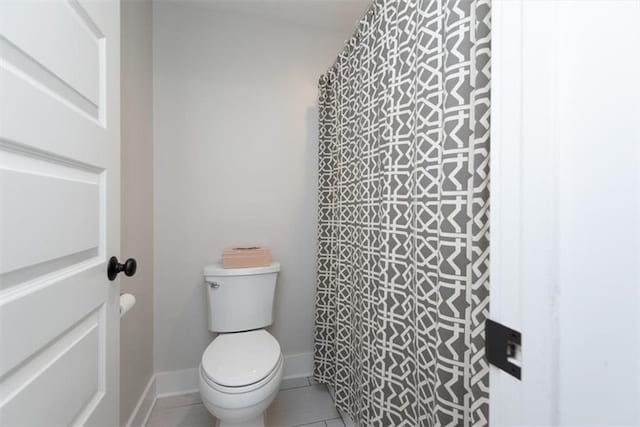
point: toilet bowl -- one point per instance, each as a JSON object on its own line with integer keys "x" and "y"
{"x": 240, "y": 375}
{"x": 241, "y": 369}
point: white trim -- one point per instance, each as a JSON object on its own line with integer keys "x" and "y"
{"x": 148, "y": 396}
{"x": 174, "y": 383}
{"x": 505, "y": 398}
{"x": 524, "y": 205}
{"x": 183, "y": 381}
{"x": 298, "y": 365}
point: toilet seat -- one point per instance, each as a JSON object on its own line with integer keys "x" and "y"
{"x": 246, "y": 388}
{"x": 240, "y": 362}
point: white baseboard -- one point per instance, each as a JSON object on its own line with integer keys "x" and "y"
{"x": 173, "y": 383}
{"x": 142, "y": 411}
{"x": 298, "y": 365}
{"x": 184, "y": 381}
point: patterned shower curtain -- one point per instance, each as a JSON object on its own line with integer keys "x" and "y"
{"x": 402, "y": 286}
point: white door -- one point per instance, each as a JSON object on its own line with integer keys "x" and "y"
{"x": 59, "y": 213}
{"x": 565, "y": 215}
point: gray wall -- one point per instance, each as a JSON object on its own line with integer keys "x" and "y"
{"x": 235, "y": 164}
{"x": 136, "y": 349}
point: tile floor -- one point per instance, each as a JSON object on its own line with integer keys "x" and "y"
{"x": 300, "y": 402}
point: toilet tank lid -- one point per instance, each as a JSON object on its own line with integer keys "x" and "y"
{"x": 217, "y": 270}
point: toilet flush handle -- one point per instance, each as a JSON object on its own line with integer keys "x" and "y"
{"x": 214, "y": 285}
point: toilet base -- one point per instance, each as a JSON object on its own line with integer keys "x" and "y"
{"x": 238, "y": 407}
{"x": 256, "y": 422}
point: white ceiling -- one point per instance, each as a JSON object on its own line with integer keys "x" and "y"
{"x": 338, "y": 16}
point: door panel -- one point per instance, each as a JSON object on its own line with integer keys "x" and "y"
{"x": 77, "y": 347}
{"x": 43, "y": 314}
{"x": 71, "y": 224}
{"x": 59, "y": 212}
{"x": 59, "y": 37}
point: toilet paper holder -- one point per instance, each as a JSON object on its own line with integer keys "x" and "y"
{"x": 127, "y": 301}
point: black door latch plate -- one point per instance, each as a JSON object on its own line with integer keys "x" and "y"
{"x": 502, "y": 344}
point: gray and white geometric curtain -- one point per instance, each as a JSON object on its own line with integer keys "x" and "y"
{"x": 402, "y": 287}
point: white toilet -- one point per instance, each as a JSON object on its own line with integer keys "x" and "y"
{"x": 241, "y": 369}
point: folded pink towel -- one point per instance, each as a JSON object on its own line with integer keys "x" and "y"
{"x": 246, "y": 257}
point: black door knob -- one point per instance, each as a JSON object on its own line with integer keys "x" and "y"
{"x": 114, "y": 267}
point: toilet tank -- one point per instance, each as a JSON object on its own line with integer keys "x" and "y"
{"x": 240, "y": 299}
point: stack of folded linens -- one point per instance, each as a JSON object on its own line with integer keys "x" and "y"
{"x": 246, "y": 257}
